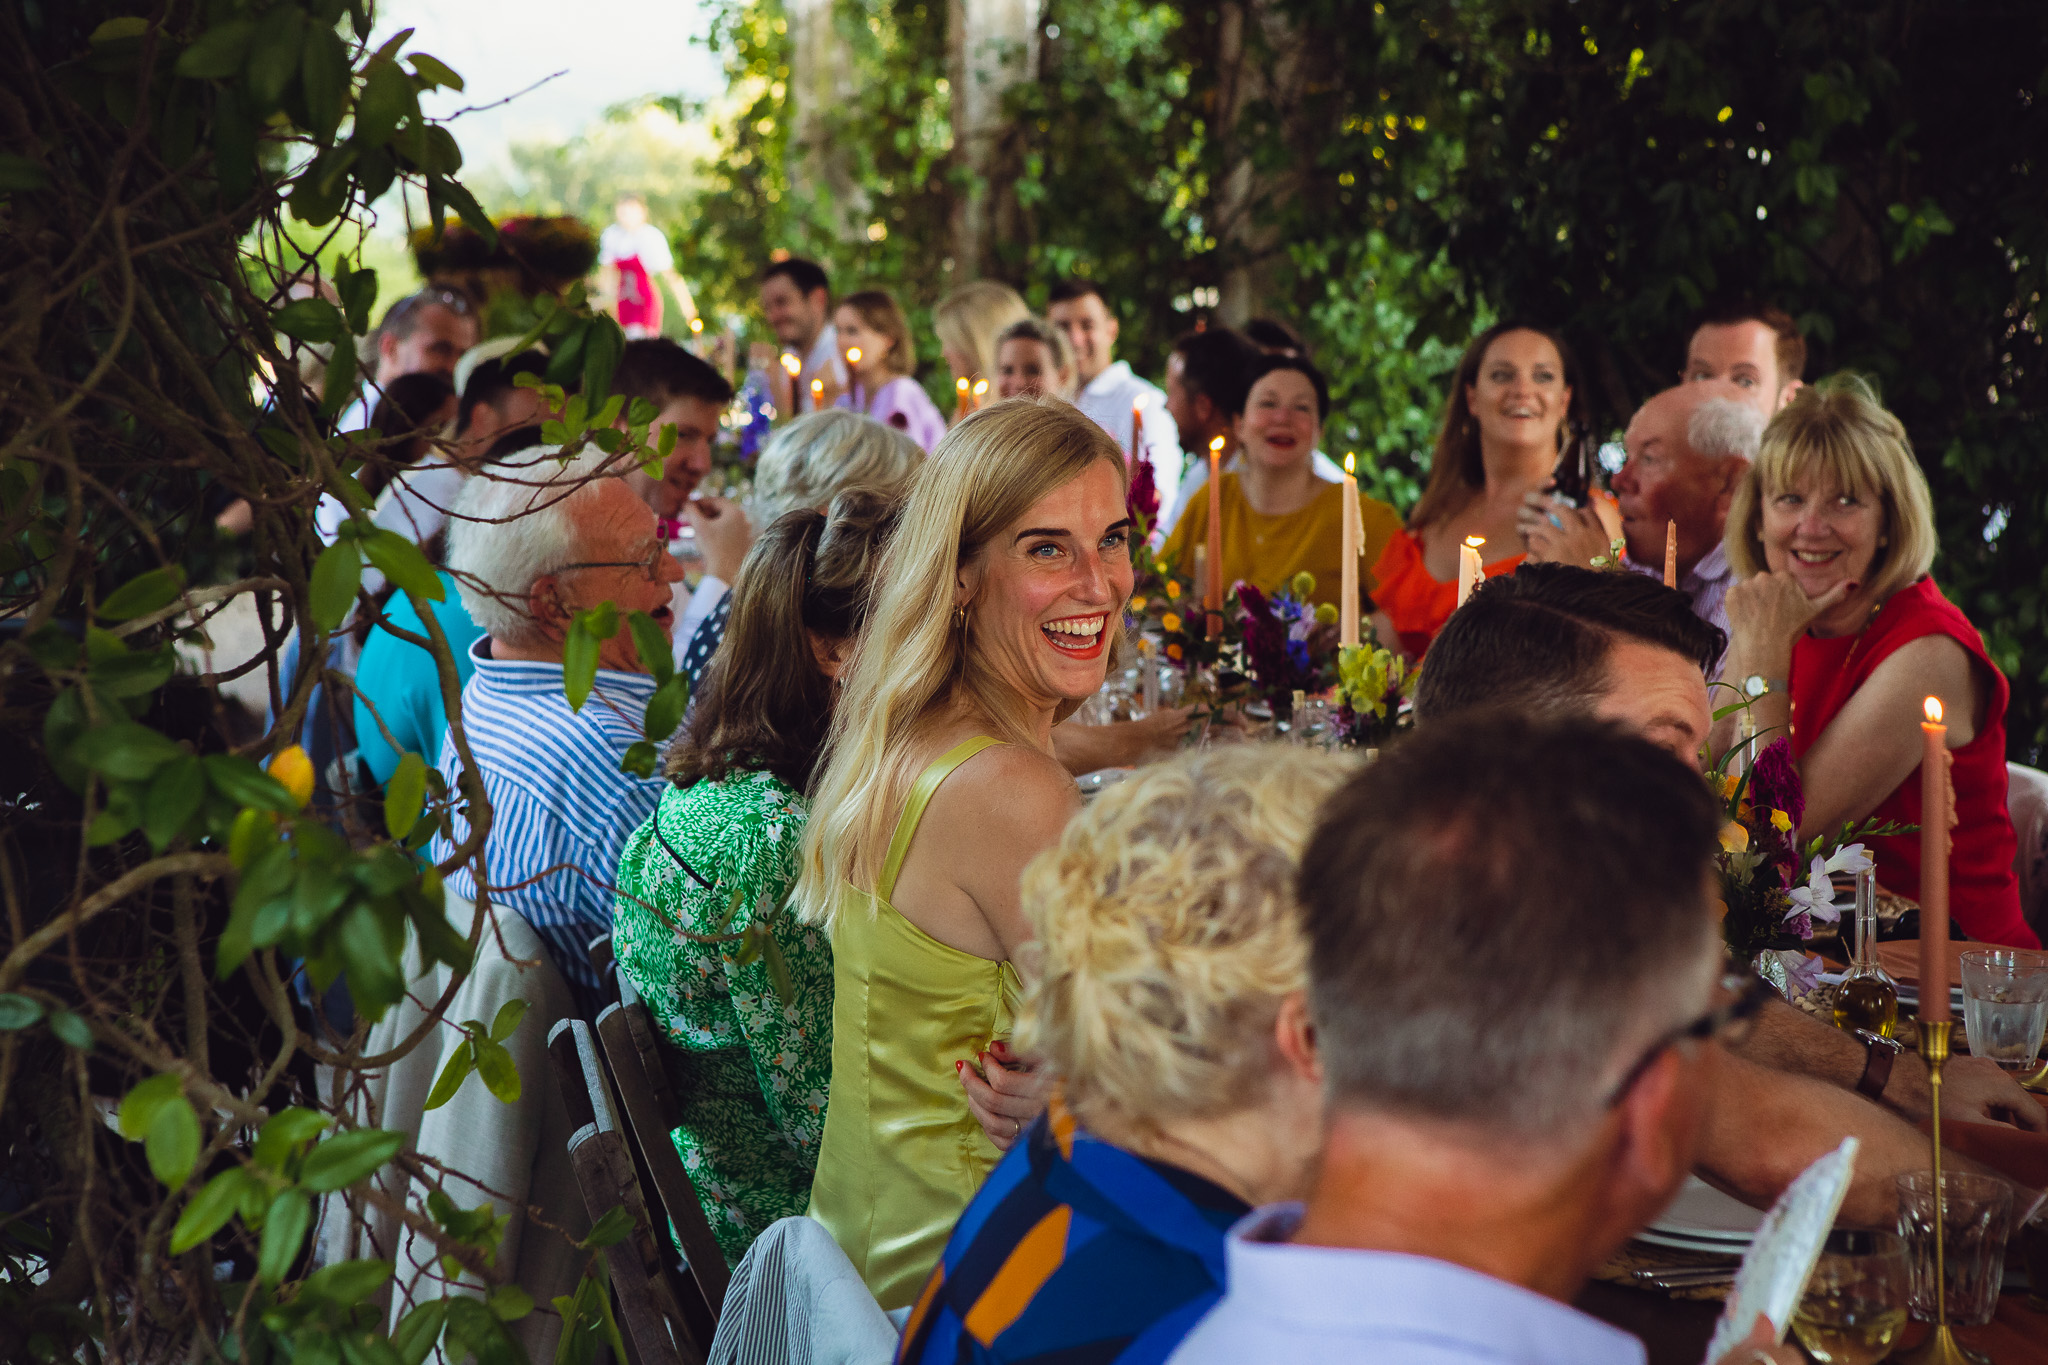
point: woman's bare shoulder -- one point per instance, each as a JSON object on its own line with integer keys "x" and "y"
{"x": 1014, "y": 784}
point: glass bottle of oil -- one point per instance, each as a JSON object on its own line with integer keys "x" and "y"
{"x": 1868, "y": 998}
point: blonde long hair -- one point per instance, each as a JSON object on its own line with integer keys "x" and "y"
{"x": 911, "y": 662}
{"x": 968, "y": 319}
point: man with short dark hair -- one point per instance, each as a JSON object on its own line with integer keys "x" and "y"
{"x": 1554, "y": 640}
{"x": 1513, "y": 1004}
{"x": 1106, "y": 388}
{"x": 796, "y": 299}
{"x": 691, "y": 397}
{"x": 1755, "y": 347}
{"x": 1276, "y": 338}
{"x": 427, "y": 331}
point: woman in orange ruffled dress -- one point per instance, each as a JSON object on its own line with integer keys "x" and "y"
{"x": 1511, "y": 410}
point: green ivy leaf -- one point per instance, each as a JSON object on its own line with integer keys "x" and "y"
{"x": 313, "y": 320}
{"x": 337, "y": 574}
{"x": 480, "y": 222}
{"x": 651, "y": 643}
{"x": 602, "y": 348}
{"x": 500, "y": 1073}
{"x": 71, "y": 1030}
{"x": 640, "y": 759}
{"x": 507, "y": 1019}
{"x": 358, "y": 290}
{"x": 418, "y": 1330}
{"x": 144, "y": 594}
{"x": 140, "y": 1105}
{"x": 454, "y": 1072}
{"x": 346, "y": 1283}
{"x": 125, "y": 751}
{"x": 284, "y": 1230}
{"x": 172, "y": 1144}
{"x": 615, "y": 1227}
{"x": 405, "y": 795}
{"x": 324, "y": 81}
{"x": 432, "y": 73}
{"x": 210, "y": 1209}
{"x": 18, "y": 1012}
{"x": 387, "y": 97}
{"x": 509, "y": 1302}
{"x": 402, "y": 562}
{"x": 274, "y": 54}
{"x": 374, "y": 977}
{"x": 343, "y": 361}
{"x": 175, "y": 795}
{"x": 245, "y": 784}
{"x": 347, "y": 1157}
{"x": 219, "y": 53}
{"x": 579, "y": 662}
{"x": 665, "y": 707}
{"x": 282, "y": 1133}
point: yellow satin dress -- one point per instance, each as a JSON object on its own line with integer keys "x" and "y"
{"x": 902, "y": 1153}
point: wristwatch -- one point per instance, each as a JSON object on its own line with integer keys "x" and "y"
{"x": 1879, "y": 1052}
{"x": 1756, "y": 685}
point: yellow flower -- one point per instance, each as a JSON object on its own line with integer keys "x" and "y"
{"x": 1171, "y": 621}
{"x": 1782, "y": 821}
{"x": 1727, "y": 783}
{"x": 295, "y": 771}
{"x": 1173, "y": 651}
{"x": 1734, "y": 837}
{"x": 1137, "y": 604}
{"x": 1326, "y": 615}
{"x": 1172, "y": 588}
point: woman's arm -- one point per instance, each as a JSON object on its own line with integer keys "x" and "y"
{"x": 1767, "y": 613}
{"x": 1873, "y": 744}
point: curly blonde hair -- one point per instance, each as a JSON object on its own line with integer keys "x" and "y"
{"x": 1166, "y": 934}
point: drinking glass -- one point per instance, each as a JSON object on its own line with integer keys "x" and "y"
{"x": 1855, "y": 1303}
{"x": 2033, "y": 1240}
{"x": 1977, "y": 1208}
{"x": 2005, "y": 1004}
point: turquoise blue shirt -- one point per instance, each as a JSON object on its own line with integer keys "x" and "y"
{"x": 400, "y": 680}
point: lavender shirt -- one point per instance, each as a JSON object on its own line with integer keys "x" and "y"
{"x": 903, "y": 404}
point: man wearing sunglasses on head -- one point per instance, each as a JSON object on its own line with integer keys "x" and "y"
{"x": 422, "y": 333}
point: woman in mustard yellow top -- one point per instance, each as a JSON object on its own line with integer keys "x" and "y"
{"x": 999, "y": 605}
{"x": 1278, "y": 517}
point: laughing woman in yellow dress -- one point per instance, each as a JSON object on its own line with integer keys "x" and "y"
{"x": 1000, "y": 603}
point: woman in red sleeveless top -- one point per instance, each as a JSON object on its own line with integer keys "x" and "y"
{"x": 1832, "y": 534}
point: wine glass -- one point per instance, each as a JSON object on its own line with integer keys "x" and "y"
{"x": 1855, "y": 1304}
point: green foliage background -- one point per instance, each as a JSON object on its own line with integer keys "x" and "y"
{"x": 1606, "y": 166}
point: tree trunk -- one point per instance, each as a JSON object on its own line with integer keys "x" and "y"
{"x": 992, "y": 47}
{"x": 1264, "y": 70}
{"x": 821, "y": 83}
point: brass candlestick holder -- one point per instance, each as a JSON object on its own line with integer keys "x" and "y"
{"x": 1941, "y": 1346}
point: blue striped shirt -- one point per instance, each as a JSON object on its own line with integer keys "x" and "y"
{"x": 557, "y": 797}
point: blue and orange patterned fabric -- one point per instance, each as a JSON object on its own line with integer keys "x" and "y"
{"x": 1074, "y": 1251}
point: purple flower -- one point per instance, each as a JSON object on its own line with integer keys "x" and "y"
{"x": 1774, "y": 782}
{"x": 1143, "y": 498}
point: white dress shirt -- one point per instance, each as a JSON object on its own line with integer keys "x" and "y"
{"x": 1197, "y": 478}
{"x": 1109, "y": 398}
{"x": 1308, "y": 1304}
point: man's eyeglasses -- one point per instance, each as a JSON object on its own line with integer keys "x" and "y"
{"x": 648, "y": 564}
{"x": 454, "y": 300}
{"x": 1728, "y": 1023}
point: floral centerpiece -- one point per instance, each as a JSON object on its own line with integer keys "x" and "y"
{"x": 1284, "y": 643}
{"x": 1372, "y": 684}
{"x": 1774, "y": 889}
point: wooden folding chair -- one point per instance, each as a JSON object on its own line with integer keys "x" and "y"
{"x": 635, "y": 1052}
{"x": 654, "y": 1323}
{"x": 601, "y": 957}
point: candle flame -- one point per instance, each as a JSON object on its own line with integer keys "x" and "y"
{"x": 1475, "y": 541}
{"x": 817, "y": 387}
{"x": 696, "y": 324}
{"x": 980, "y": 387}
{"x": 1216, "y": 444}
{"x": 960, "y": 384}
{"x": 792, "y": 366}
{"x": 1932, "y": 706}
{"x": 853, "y": 355}
{"x": 1350, "y": 463}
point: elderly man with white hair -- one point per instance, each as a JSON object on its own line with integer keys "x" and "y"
{"x": 530, "y": 544}
{"x": 1688, "y": 448}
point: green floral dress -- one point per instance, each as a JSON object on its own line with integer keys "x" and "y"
{"x": 751, "y": 1072}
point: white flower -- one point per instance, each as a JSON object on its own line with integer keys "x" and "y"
{"x": 1850, "y": 858}
{"x": 1817, "y": 897}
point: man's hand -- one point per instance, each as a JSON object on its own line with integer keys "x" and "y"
{"x": 1004, "y": 1093}
{"x": 724, "y": 535}
{"x": 1975, "y": 1090}
{"x": 1557, "y": 534}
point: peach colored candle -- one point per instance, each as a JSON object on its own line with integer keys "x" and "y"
{"x": 1471, "y": 568}
{"x": 1670, "y": 554}
{"x": 1212, "y": 596}
{"x": 1934, "y": 806}
{"x": 1347, "y": 559}
{"x": 980, "y": 393}
{"x": 1137, "y": 434}
{"x": 960, "y": 408}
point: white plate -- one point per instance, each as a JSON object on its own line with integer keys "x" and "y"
{"x": 1711, "y": 1248}
{"x": 1702, "y": 1213}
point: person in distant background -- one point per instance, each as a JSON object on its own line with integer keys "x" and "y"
{"x": 1109, "y": 391}
{"x": 426, "y": 331}
{"x": 969, "y": 322}
{"x": 1032, "y": 360}
{"x": 631, "y": 254}
{"x": 882, "y": 378}
{"x": 796, "y": 300}
{"x": 1755, "y": 347}
{"x": 1276, "y": 338}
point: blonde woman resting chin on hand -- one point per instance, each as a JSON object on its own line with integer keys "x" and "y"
{"x": 998, "y": 607}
